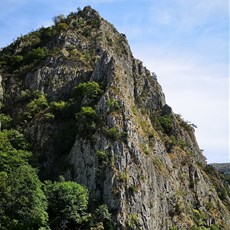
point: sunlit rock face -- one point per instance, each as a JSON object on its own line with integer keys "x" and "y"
{"x": 117, "y": 136}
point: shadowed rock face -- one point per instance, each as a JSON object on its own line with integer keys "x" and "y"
{"x": 129, "y": 149}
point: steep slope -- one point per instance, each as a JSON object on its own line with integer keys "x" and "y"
{"x": 95, "y": 114}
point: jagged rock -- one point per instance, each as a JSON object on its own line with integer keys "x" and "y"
{"x": 138, "y": 157}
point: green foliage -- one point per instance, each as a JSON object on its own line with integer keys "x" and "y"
{"x": 165, "y": 123}
{"x": 62, "y": 26}
{"x": 13, "y": 148}
{"x": 102, "y": 155}
{"x": 214, "y": 227}
{"x": 58, "y": 105}
{"x": 89, "y": 89}
{"x": 222, "y": 193}
{"x": 123, "y": 176}
{"x": 157, "y": 162}
{"x": 61, "y": 110}
{"x": 47, "y": 33}
{"x": 103, "y": 215}
{"x": 170, "y": 143}
{"x": 16, "y": 60}
{"x": 49, "y": 116}
{"x": 87, "y": 119}
{"x": 133, "y": 189}
{"x": 87, "y": 114}
{"x": 38, "y": 104}
{"x": 37, "y": 54}
{"x": 67, "y": 204}
{"x": 199, "y": 218}
{"x": 210, "y": 170}
{"x": 133, "y": 221}
{"x": 113, "y": 133}
{"x": 5, "y": 120}
{"x": 59, "y": 19}
{"x": 187, "y": 126}
{"x": 113, "y": 104}
{"x": 22, "y": 204}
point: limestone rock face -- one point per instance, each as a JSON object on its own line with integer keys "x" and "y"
{"x": 130, "y": 149}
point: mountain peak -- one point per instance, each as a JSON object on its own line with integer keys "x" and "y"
{"x": 95, "y": 114}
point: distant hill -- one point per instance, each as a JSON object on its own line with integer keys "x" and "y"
{"x": 222, "y": 167}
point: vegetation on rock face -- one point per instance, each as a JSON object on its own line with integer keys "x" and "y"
{"x": 68, "y": 89}
{"x": 91, "y": 90}
{"x": 27, "y": 203}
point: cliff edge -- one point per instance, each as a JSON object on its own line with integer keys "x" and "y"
{"x": 94, "y": 114}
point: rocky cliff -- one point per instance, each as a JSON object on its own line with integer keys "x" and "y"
{"x": 94, "y": 114}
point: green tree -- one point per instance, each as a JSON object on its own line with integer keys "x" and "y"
{"x": 67, "y": 204}
{"x": 38, "y": 104}
{"x": 103, "y": 215}
{"x": 23, "y": 204}
{"x": 5, "y": 120}
{"x": 37, "y": 54}
{"x": 87, "y": 119}
{"x": 89, "y": 89}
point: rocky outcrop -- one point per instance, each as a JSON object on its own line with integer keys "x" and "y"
{"x": 127, "y": 147}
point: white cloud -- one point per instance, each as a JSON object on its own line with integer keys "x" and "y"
{"x": 186, "y": 15}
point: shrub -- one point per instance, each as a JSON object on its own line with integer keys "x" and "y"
{"x": 113, "y": 133}
{"x": 103, "y": 216}
{"x": 58, "y": 105}
{"x": 222, "y": 193}
{"x": 67, "y": 204}
{"x": 87, "y": 120}
{"x": 102, "y": 213}
{"x": 166, "y": 123}
{"x": 49, "y": 116}
{"x": 5, "y": 120}
{"x": 38, "y": 104}
{"x": 16, "y": 60}
{"x": 62, "y": 26}
{"x": 170, "y": 143}
{"x": 113, "y": 104}
{"x": 58, "y": 19}
{"x": 214, "y": 227}
{"x": 123, "y": 176}
{"x": 87, "y": 114}
{"x": 89, "y": 89}
{"x": 101, "y": 154}
{"x": 37, "y": 54}
{"x": 133, "y": 221}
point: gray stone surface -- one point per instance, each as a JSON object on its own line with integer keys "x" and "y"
{"x": 145, "y": 183}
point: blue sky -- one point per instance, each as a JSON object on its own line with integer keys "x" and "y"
{"x": 186, "y": 43}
